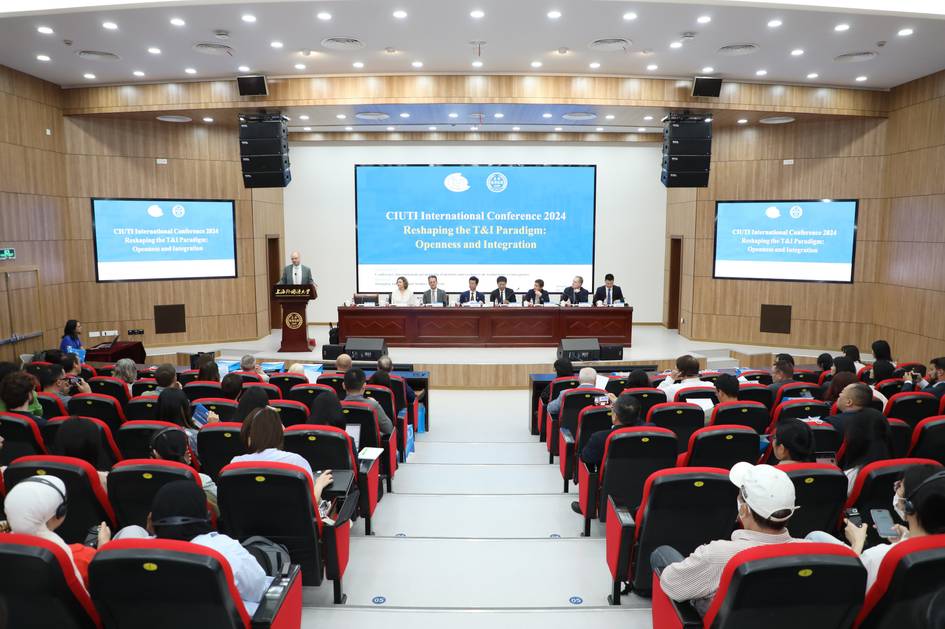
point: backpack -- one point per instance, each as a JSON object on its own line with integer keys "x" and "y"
{"x": 273, "y": 557}
{"x": 332, "y": 335}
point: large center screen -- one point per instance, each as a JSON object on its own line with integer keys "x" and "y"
{"x": 523, "y": 222}
{"x": 812, "y": 241}
{"x": 163, "y": 239}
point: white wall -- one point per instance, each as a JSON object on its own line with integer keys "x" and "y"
{"x": 631, "y": 210}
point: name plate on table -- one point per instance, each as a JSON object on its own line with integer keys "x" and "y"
{"x": 585, "y": 304}
{"x": 367, "y": 305}
{"x": 436, "y": 304}
{"x": 472, "y": 304}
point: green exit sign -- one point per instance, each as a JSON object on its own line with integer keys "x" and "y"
{"x": 7, "y": 254}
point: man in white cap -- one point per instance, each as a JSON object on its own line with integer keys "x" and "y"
{"x": 765, "y": 504}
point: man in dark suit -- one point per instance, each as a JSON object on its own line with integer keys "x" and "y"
{"x": 502, "y": 295}
{"x": 852, "y": 399}
{"x": 608, "y": 293}
{"x": 434, "y": 295}
{"x": 934, "y": 382}
{"x": 297, "y": 273}
{"x": 538, "y": 294}
{"x": 782, "y": 373}
{"x": 575, "y": 293}
{"x": 472, "y": 294}
{"x": 624, "y": 413}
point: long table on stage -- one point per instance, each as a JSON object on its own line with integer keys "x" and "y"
{"x": 497, "y": 326}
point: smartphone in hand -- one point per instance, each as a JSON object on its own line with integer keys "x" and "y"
{"x": 853, "y": 515}
{"x": 884, "y": 523}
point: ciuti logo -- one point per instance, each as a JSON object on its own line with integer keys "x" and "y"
{"x": 178, "y": 211}
{"x": 497, "y": 182}
{"x": 455, "y": 182}
{"x": 796, "y": 211}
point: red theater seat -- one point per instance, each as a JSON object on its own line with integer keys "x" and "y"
{"x": 110, "y": 452}
{"x": 820, "y": 490}
{"x": 285, "y": 381}
{"x": 648, "y": 397}
{"x": 218, "y": 443}
{"x": 755, "y": 415}
{"x": 928, "y": 439}
{"x": 143, "y": 385}
{"x": 385, "y": 397}
{"x": 306, "y": 393}
{"x": 365, "y": 416}
{"x": 799, "y": 409}
{"x": 110, "y": 385}
{"x": 52, "y": 405}
{"x": 335, "y": 381}
{"x": 225, "y": 408}
{"x": 142, "y": 407}
{"x": 795, "y": 390}
{"x": 759, "y": 376}
{"x": 104, "y": 407}
{"x": 248, "y": 376}
{"x": 272, "y": 391}
{"x": 134, "y": 437}
{"x": 558, "y": 385}
{"x": 572, "y": 402}
{"x": 290, "y": 412}
{"x": 720, "y": 446}
{"x": 133, "y": 483}
{"x": 21, "y": 437}
{"x": 591, "y": 419}
{"x": 186, "y": 377}
{"x": 682, "y": 418}
{"x": 911, "y": 406}
{"x": 684, "y": 395}
{"x": 196, "y": 389}
{"x": 754, "y": 392}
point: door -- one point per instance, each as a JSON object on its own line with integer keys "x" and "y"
{"x": 21, "y": 330}
{"x": 675, "y": 280}
{"x": 274, "y": 264}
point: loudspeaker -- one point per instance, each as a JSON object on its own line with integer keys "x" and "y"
{"x": 365, "y": 348}
{"x": 264, "y": 151}
{"x": 672, "y": 179}
{"x": 697, "y": 129}
{"x": 611, "y": 351}
{"x": 252, "y": 85}
{"x": 264, "y": 163}
{"x": 687, "y": 150}
{"x": 579, "y": 349}
{"x": 706, "y": 86}
{"x": 686, "y": 163}
{"x": 331, "y": 352}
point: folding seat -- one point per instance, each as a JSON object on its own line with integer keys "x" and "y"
{"x": 826, "y": 437}
{"x": 863, "y": 373}
{"x": 277, "y": 501}
{"x": 928, "y": 439}
{"x": 21, "y": 437}
{"x": 40, "y": 587}
{"x": 158, "y": 583}
{"x": 911, "y": 407}
{"x": 222, "y": 406}
{"x": 218, "y": 443}
{"x": 797, "y": 390}
{"x": 399, "y": 387}
{"x": 590, "y": 419}
{"x": 134, "y": 437}
{"x": 105, "y": 370}
{"x": 820, "y": 490}
{"x": 720, "y": 446}
{"x": 889, "y": 387}
{"x": 572, "y": 402}
{"x": 290, "y": 412}
{"x": 365, "y": 416}
{"x": 285, "y": 381}
{"x": 683, "y": 395}
{"x": 873, "y": 489}
{"x": 52, "y": 405}
{"x": 557, "y": 386}
{"x": 88, "y": 372}
{"x": 188, "y": 376}
{"x": 104, "y": 407}
{"x": 755, "y": 415}
{"x": 331, "y": 448}
{"x": 142, "y": 407}
{"x": 110, "y": 385}
{"x": 615, "y": 384}
{"x": 682, "y": 418}
{"x": 799, "y": 409}
{"x": 757, "y": 376}
{"x": 630, "y": 456}
{"x": 648, "y": 397}
{"x": 142, "y": 385}
{"x": 820, "y": 586}
{"x": 807, "y": 375}
{"x": 110, "y": 452}
{"x": 910, "y": 574}
{"x": 306, "y": 393}
{"x": 272, "y": 391}
{"x": 248, "y": 376}
{"x": 824, "y": 379}
{"x": 709, "y": 376}
{"x": 334, "y": 380}
{"x": 900, "y": 437}
{"x": 385, "y": 397}
{"x": 196, "y": 389}
{"x": 132, "y": 484}
{"x": 670, "y": 500}
{"x": 752, "y": 392}
{"x": 88, "y": 502}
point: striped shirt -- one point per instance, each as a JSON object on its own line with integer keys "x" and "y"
{"x": 696, "y": 578}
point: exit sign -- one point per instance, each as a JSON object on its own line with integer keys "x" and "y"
{"x": 7, "y": 254}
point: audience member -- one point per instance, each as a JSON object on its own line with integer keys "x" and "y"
{"x": 209, "y": 371}
{"x": 882, "y": 370}
{"x": 638, "y": 379}
{"x": 853, "y": 353}
{"x": 384, "y": 363}
{"x": 165, "y": 377}
{"x": 867, "y": 440}
{"x": 173, "y": 406}
{"x": 326, "y": 409}
{"x": 251, "y": 399}
{"x": 53, "y": 381}
{"x": 587, "y": 379}
{"x": 793, "y": 442}
{"x": 781, "y": 374}
{"x": 933, "y": 383}
{"x": 261, "y": 434}
{"x": 51, "y": 356}
{"x": 852, "y": 399}
{"x": 765, "y": 505}
{"x": 72, "y": 370}
{"x": 343, "y": 363}
{"x": 126, "y": 370}
{"x": 882, "y": 351}
{"x": 726, "y": 388}
{"x": 380, "y": 378}
{"x": 171, "y": 444}
{"x": 784, "y": 357}
{"x": 296, "y": 368}
{"x": 34, "y": 407}
{"x": 80, "y": 438}
{"x": 837, "y": 384}
{"x": 354, "y": 392}
{"x": 563, "y": 369}
{"x": 825, "y": 361}
{"x": 70, "y": 338}
{"x": 231, "y": 387}
{"x": 248, "y": 364}
{"x": 686, "y": 372}
{"x": 16, "y": 393}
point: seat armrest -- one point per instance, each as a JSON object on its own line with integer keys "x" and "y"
{"x": 567, "y": 436}
{"x": 281, "y": 604}
{"x": 662, "y": 556}
{"x": 620, "y": 533}
{"x": 666, "y": 612}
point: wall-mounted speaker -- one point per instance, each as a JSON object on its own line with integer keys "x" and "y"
{"x": 264, "y": 151}
{"x": 706, "y": 86}
{"x": 252, "y": 85}
{"x": 687, "y": 151}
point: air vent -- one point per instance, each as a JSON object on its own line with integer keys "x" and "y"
{"x": 855, "y": 57}
{"x": 579, "y": 115}
{"x": 174, "y": 118}
{"x": 97, "y": 55}
{"x": 777, "y": 120}
{"x": 610, "y": 44}
{"x": 735, "y": 50}
{"x": 371, "y": 115}
{"x": 210, "y": 48}
{"x": 342, "y": 43}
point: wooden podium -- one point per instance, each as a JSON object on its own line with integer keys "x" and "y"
{"x": 293, "y": 298}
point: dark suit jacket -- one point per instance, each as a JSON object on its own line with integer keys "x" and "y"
{"x": 465, "y": 296}
{"x": 937, "y": 389}
{"x": 530, "y": 296}
{"x": 509, "y": 296}
{"x": 287, "y": 275}
{"x": 601, "y": 294}
{"x": 569, "y": 295}
{"x": 440, "y": 296}
{"x": 839, "y": 421}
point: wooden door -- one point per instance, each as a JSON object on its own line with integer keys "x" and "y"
{"x": 675, "y": 280}
{"x": 274, "y": 265}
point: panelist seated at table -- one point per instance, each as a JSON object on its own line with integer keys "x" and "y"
{"x": 538, "y": 294}
{"x": 575, "y": 293}
{"x": 502, "y": 295}
{"x": 434, "y": 295}
{"x": 608, "y": 293}
{"x": 402, "y": 295}
{"x": 473, "y": 294}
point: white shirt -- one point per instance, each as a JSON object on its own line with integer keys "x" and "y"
{"x": 250, "y": 579}
{"x": 297, "y": 274}
{"x": 672, "y": 388}
{"x": 401, "y": 297}
{"x": 276, "y": 456}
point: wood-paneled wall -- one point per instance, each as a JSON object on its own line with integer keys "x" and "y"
{"x": 48, "y": 178}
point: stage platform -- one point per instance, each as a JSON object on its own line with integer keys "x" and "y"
{"x": 506, "y": 368}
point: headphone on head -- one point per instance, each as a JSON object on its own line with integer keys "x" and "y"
{"x": 157, "y": 435}
{"x": 908, "y": 505}
{"x": 180, "y": 520}
{"x": 63, "y": 506}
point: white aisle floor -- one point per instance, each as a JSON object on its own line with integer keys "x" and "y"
{"x": 476, "y": 534}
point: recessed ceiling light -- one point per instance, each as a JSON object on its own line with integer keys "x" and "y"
{"x": 42, "y": 57}
{"x": 399, "y": 14}
{"x": 138, "y": 73}
{"x": 742, "y": 121}
{"x": 390, "y": 128}
{"x": 275, "y": 44}
{"x": 89, "y": 75}
{"x": 498, "y": 114}
{"x": 841, "y": 27}
{"x": 300, "y": 66}
{"x": 110, "y": 26}
{"x": 207, "y": 119}
{"x": 243, "y": 68}
{"x": 558, "y": 129}
{"x": 349, "y": 128}
{"x": 761, "y": 72}
{"x": 324, "y": 16}
{"x": 477, "y": 14}
{"x": 417, "y": 64}
{"x": 599, "y": 129}
{"x": 903, "y": 33}
{"x": 536, "y": 64}
{"x": 797, "y": 52}
{"x": 338, "y": 116}
{"x": 516, "y": 128}
{"x": 249, "y": 18}
{"x": 306, "y": 128}
{"x": 861, "y": 78}
{"x": 708, "y": 70}
{"x": 629, "y": 15}
{"x": 477, "y": 64}
{"x": 358, "y": 64}
{"x": 176, "y": 21}
{"x": 609, "y": 116}
{"x": 593, "y": 65}
{"x": 676, "y": 44}
{"x": 404, "y": 114}
{"x": 648, "y": 118}
{"x": 709, "y": 119}
{"x": 45, "y": 30}
{"x": 774, "y": 23}
{"x": 812, "y": 75}
{"x": 190, "y": 71}
{"x": 546, "y": 115}
{"x": 432, "y": 128}
{"x": 474, "y": 128}
{"x": 154, "y": 50}
{"x": 641, "y": 129}
{"x": 704, "y": 19}
{"x": 652, "y": 67}
{"x": 453, "y": 115}
{"x": 554, "y": 15}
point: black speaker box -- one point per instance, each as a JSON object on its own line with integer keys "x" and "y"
{"x": 579, "y": 349}
{"x": 610, "y": 351}
{"x": 690, "y": 146}
{"x": 268, "y": 146}
{"x": 278, "y": 179}
{"x": 264, "y": 163}
{"x": 672, "y": 179}
{"x": 331, "y": 352}
{"x": 688, "y": 129}
{"x": 264, "y": 129}
{"x": 706, "y": 86}
{"x": 686, "y": 163}
{"x": 252, "y": 85}
{"x": 365, "y": 348}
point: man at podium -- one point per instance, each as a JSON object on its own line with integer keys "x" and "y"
{"x": 297, "y": 273}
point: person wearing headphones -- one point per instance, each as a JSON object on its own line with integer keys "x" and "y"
{"x": 171, "y": 444}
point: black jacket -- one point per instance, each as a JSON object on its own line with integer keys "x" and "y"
{"x": 509, "y": 296}
{"x": 601, "y": 294}
{"x": 579, "y": 297}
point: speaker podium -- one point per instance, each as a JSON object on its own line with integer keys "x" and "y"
{"x": 294, "y": 298}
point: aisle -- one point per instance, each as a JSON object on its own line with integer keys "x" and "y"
{"x": 476, "y": 534}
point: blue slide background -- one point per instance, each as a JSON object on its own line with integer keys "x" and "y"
{"x": 532, "y": 189}
{"x": 817, "y": 216}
